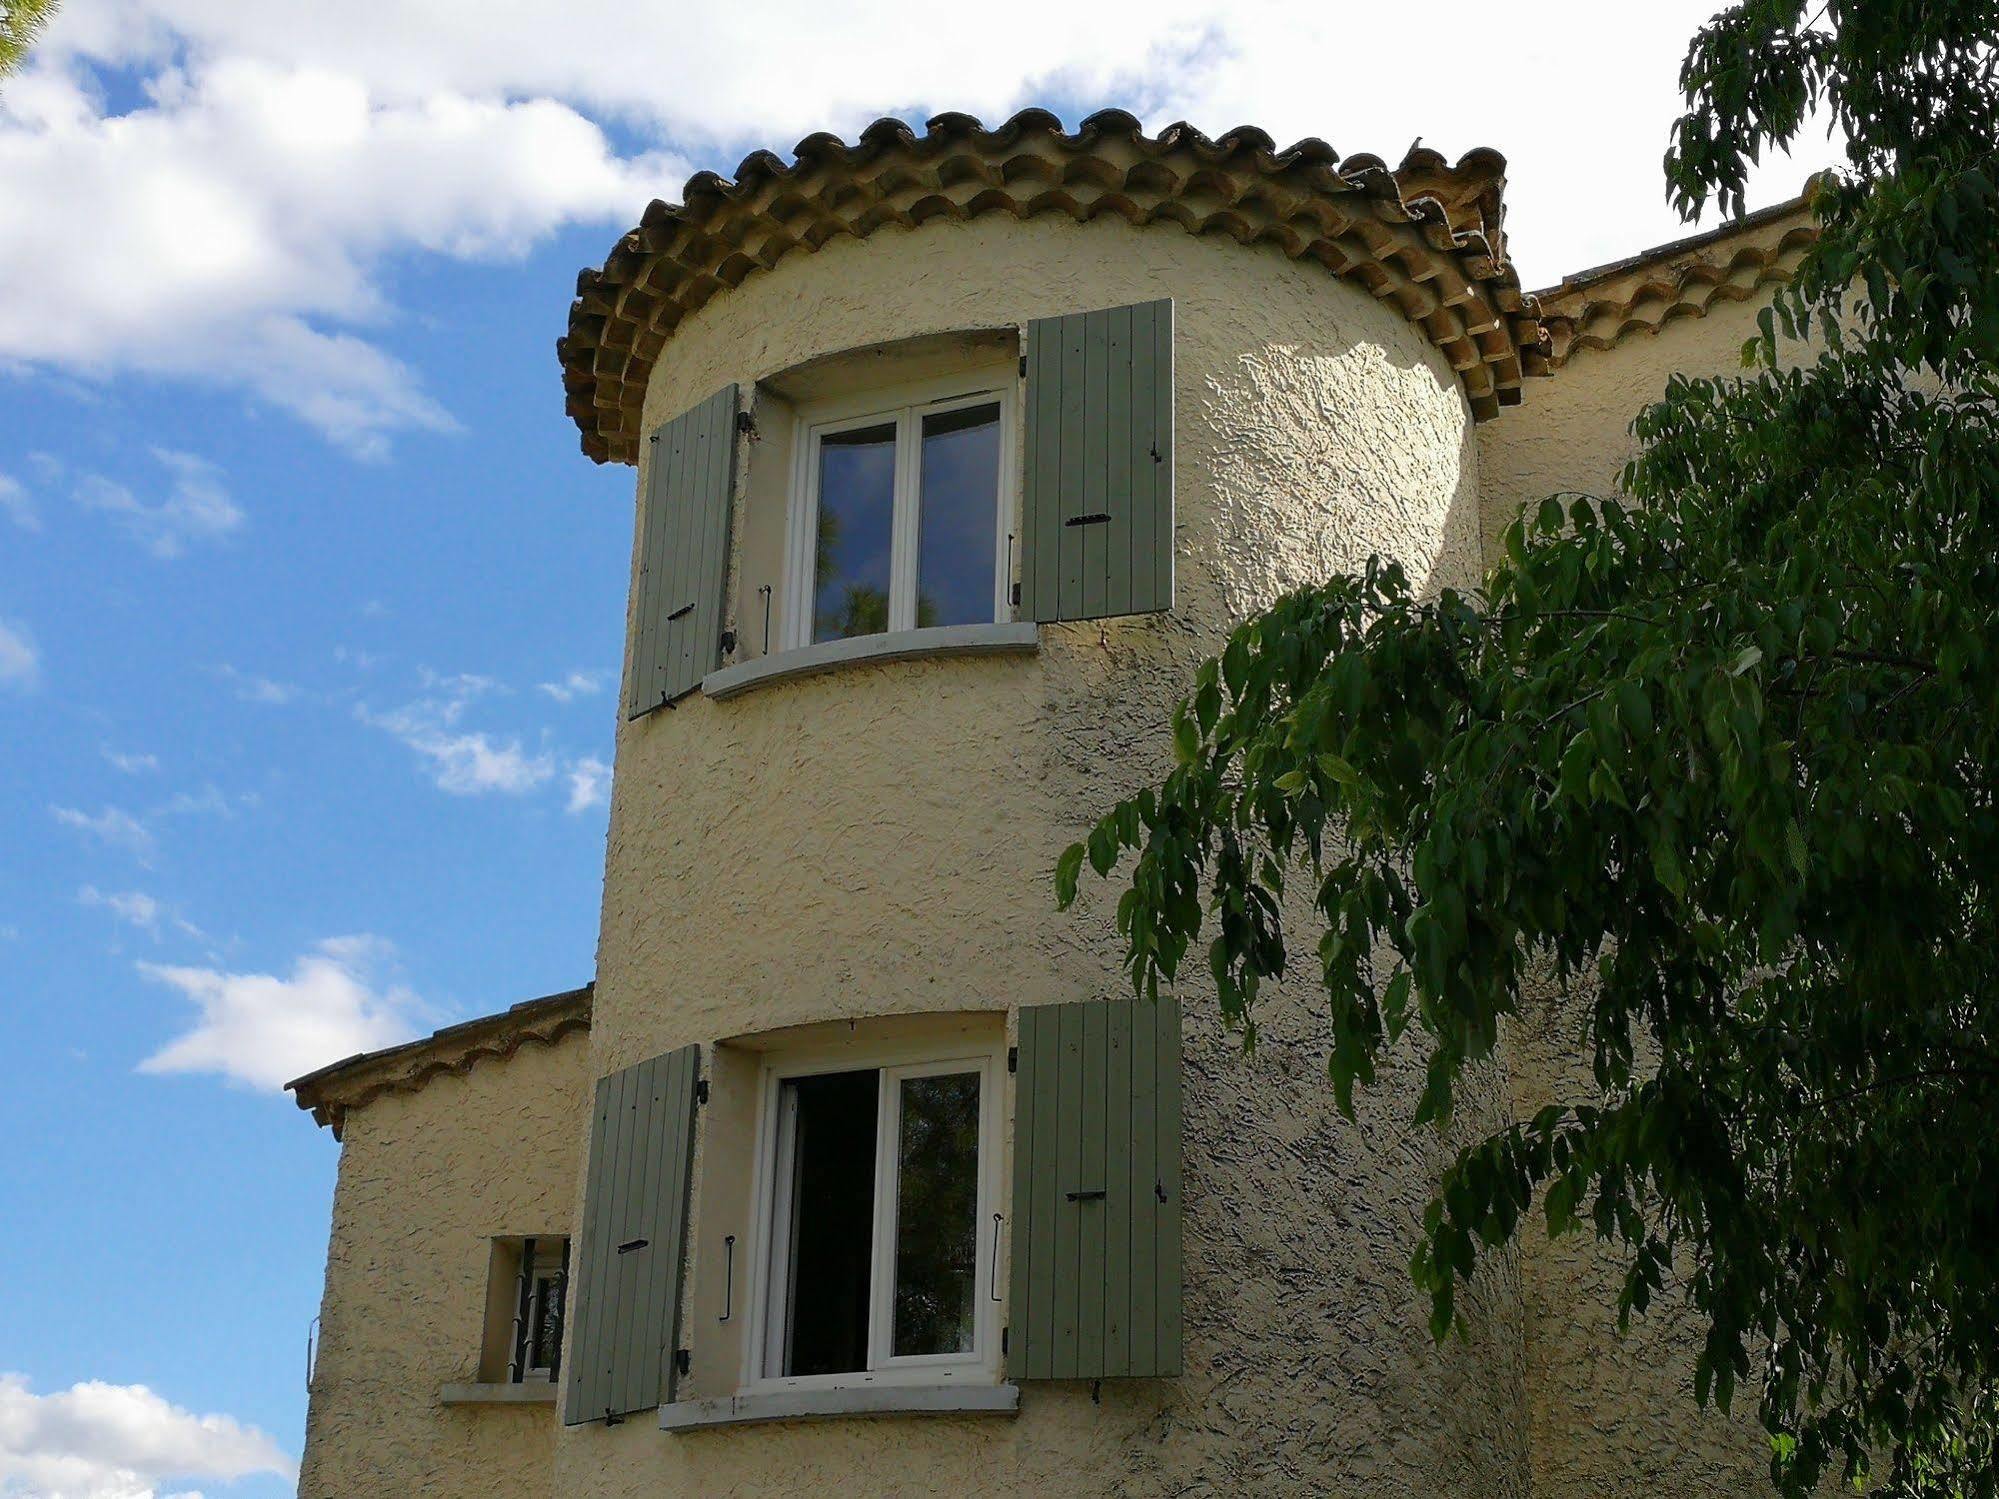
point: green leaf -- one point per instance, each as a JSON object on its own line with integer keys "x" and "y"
{"x": 1068, "y": 870}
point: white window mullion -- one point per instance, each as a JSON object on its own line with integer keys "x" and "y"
{"x": 902, "y": 551}
{"x": 881, "y": 1276}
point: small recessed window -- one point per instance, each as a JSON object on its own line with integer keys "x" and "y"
{"x": 901, "y": 514}
{"x": 882, "y": 1230}
{"x": 528, "y": 1281}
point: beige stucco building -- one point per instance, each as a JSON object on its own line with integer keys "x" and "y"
{"x": 856, "y": 1170}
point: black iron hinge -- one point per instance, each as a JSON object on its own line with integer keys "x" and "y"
{"x": 1003, "y": 1333}
{"x": 1013, "y": 1059}
{"x": 701, "y": 1091}
{"x": 1023, "y": 366}
{"x": 682, "y": 1360}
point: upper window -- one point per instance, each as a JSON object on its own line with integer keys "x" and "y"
{"x": 881, "y": 1220}
{"x": 899, "y": 519}
{"x": 528, "y": 1279}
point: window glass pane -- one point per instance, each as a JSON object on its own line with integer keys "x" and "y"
{"x": 956, "y": 530}
{"x": 937, "y": 1203}
{"x": 856, "y": 512}
{"x": 545, "y": 1323}
{"x": 832, "y": 1222}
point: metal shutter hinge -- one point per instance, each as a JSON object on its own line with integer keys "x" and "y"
{"x": 682, "y": 1360}
{"x": 1023, "y": 366}
{"x": 701, "y": 1091}
{"x": 1013, "y": 1052}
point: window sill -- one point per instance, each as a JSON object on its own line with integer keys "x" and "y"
{"x": 868, "y": 1400}
{"x": 868, "y": 650}
{"x": 528, "y": 1392}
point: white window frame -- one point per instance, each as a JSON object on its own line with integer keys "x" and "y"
{"x": 905, "y": 406}
{"x": 546, "y": 1269}
{"x": 895, "y": 1064}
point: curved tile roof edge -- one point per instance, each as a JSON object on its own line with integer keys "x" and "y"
{"x": 1603, "y": 306}
{"x": 1427, "y": 235}
{"x": 330, "y": 1092}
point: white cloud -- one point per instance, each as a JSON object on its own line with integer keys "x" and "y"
{"x": 133, "y": 907}
{"x": 461, "y": 761}
{"x": 18, "y": 504}
{"x": 113, "y": 827}
{"x": 282, "y": 154}
{"x": 265, "y": 192}
{"x": 130, "y": 765}
{"x": 105, "y": 1441}
{"x": 138, "y": 909}
{"x": 263, "y": 1030}
{"x": 589, "y": 783}
{"x": 196, "y": 508}
{"x": 576, "y": 684}
{"x": 251, "y": 688}
{"x": 20, "y": 665}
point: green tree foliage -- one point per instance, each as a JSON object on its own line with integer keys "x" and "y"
{"x": 1716, "y": 759}
{"x": 21, "y": 22}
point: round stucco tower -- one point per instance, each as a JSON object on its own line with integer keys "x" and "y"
{"x": 859, "y": 855}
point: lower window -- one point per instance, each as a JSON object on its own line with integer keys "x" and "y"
{"x": 882, "y": 1232}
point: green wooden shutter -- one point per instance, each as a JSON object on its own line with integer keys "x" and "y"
{"x": 625, "y": 1316}
{"x": 1096, "y": 1192}
{"x": 683, "y": 553}
{"x": 1097, "y": 509}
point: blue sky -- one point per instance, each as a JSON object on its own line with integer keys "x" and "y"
{"x": 310, "y": 607}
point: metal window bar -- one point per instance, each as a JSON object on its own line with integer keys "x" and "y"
{"x": 523, "y": 1315}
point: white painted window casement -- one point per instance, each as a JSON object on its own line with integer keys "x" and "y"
{"x": 878, "y": 1223}
{"x": 903, "y": 506}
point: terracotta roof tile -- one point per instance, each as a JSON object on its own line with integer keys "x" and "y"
{"x": 1601, "y": 307}
{"x": 333, "y": 1090}
{"x": 1427, "y": 235}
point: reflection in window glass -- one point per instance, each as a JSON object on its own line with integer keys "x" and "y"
{"x": 936, "y": 1235}
{"x": 856, "y": 508}
{"x": 960, "y": 492}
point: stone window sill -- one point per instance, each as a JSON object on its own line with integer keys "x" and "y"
{"x": 528, "y": 1392}
{"x": 872, "y": 650}
{"x": 867, "y": 1400}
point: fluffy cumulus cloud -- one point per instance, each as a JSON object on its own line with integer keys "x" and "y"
{"x": 18, "y": 505}
{"x": 264, "y": 1029}
{"x": 232, "y": 225}
{"x": 107, "y": 1441}
{"x": 20, "y": 663}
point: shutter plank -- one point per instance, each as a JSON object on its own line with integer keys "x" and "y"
{"x": 684, "y": 1067}
{"x": 1046, "y": 1074}
{"x": 1142, "y": 1124}
{"x": 1117, "y": 1193}
{"x": 1128, "y": 511}
{"x": 1167, "y": 1035}
{"x": 1094, "y": 472}
{"x": 1068, "y": 1218}
{"x": 1090, "y": 1269}
{"x": 1075, "y": 403}
{"x": 635, "y": 1370}
{"x": 1161, "y": 510}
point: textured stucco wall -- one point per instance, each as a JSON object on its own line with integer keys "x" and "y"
{"x": 427, "y": 1179}
{"x": 1602, "y": 1407}
{"x": 879, "y": 841}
